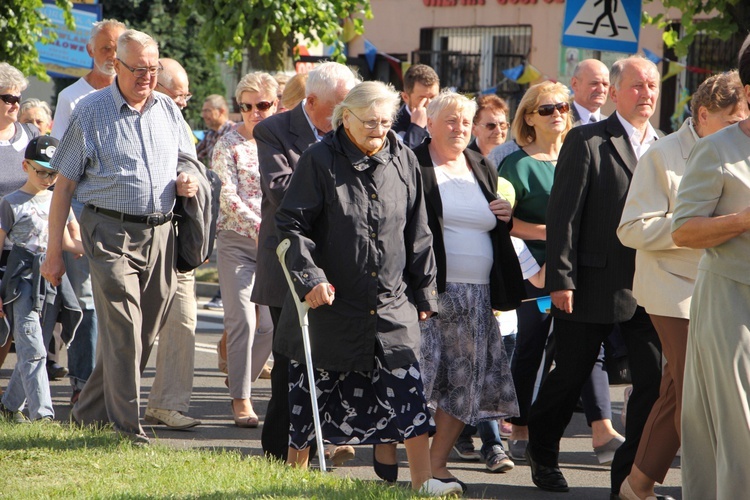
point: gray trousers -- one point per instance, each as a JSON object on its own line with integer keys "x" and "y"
{"x": 133, "y": 281}
{"x": 175, "y": 356}
{"x": 249, "y": 336}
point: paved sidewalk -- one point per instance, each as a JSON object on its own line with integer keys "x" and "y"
{"x": 211, "y": 404}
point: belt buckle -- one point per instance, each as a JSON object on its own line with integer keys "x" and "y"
{"x": 155, "y": 219}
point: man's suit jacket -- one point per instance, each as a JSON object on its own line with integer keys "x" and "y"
{"x": 412, "y": 135}
{"x": 281, "y": 141}
{"x": 592, "y": 178}
{"x": 664, "y": 273}
{"x": 576, "y": 117}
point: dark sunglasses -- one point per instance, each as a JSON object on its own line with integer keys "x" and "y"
{"x": 493, "y": 125}
{"x": 262, "y": 106}
{"x": 10, "y": 99}
{"x": 548, "y": 109}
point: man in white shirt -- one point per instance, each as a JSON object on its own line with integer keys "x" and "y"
{"x": 102, "y": 47}
{"x": 590, "y": 84}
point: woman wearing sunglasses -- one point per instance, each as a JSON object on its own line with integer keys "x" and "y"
{"x": 542, "y": 120}
{"x": 14, "y": 137}
{"x": 491, "y": 125}
{"x": 235, "y": 161}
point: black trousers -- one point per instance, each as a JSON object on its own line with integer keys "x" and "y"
{"x": 576, "y": 351}
{"x": 274, "y": 437}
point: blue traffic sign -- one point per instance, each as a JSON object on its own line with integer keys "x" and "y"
{"x": 609, "y": 25}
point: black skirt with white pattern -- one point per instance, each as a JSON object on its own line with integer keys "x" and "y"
{"x": 465, "y": 369}
{"x": 381, "y": 406}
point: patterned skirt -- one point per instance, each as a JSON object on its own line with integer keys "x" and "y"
{"x": 465, "y": 369}
{"x": 381, "y": 406}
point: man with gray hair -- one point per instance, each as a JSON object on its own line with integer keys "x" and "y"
{"x": 119, "y": 156}
{"x": 102, "y": 47}
{"x": 281, "y": 140}
{"x": 215, "y": 114}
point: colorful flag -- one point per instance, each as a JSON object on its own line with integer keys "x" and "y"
{"x": 370, "y": 52}
{"x": 530, "y": 73}
{"x": 674, "y": 69}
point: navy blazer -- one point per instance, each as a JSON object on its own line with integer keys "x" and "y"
{"x": 506, "y": 280}
{"x": 281, "y": 141}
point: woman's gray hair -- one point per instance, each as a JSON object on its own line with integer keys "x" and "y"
{"x": 11, "y": 78}
{"x": 134, "y": 37}
{"x": 368, "y": 95}
{"x": 260, "y": 82}
{"x": 36, "y": 103}
{"x": 323, "y": 80}
{"x": 449, "y": 99}
{"x": 106, "y": 24}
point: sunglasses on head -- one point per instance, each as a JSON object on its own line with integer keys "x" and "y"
{"x": 10, "y": 99}
{"x": 548, "y": 109}
{"x": 261, "y": 106}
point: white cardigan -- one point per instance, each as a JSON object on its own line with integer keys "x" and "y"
{"x": 664, "y": 273}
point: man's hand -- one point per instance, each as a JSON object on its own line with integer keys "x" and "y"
{"x": 53, "y": 269}
{"x": 186, "y": 185}
{"x": 425, "y": 315}
{"x": 502, "y": 209}
{"x": 419, "y": 113}
{"x": 321, "y": 294}
{"x": 563, "y": 300}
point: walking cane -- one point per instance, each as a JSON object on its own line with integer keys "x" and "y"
{"x": 302, "y": 308}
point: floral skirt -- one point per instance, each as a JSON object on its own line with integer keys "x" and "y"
{"x": 381, "y": 406}
{"x": 465, "y": 369}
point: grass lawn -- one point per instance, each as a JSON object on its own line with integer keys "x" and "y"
{"x": 60, "y": 461}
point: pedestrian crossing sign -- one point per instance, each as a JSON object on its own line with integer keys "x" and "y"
{"x": 608, "y": 25}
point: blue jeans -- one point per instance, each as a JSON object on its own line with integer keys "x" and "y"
{"x": 82, "y": 350}
{"x": 29, "y": 382}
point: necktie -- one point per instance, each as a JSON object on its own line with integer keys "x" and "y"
{"x": 592, "y": 119}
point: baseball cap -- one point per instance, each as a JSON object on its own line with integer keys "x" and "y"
{"x": 41, "y": 149}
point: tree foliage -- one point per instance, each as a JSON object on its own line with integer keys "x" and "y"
{"x": 716, "y": 18}
{"x": 21, "y": 27}
{"x": 266, "y": 28}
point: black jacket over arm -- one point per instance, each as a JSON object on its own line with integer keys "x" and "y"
{"x": 506, "y": 280}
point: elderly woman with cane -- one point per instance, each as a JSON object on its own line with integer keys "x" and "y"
{"x": 355, "y": 217}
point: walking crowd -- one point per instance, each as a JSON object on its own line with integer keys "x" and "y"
{"x": 422, "y": 240}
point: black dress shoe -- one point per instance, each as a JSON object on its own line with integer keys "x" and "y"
{"x": 386, "y": 472}
{"x": 546, "y": 478}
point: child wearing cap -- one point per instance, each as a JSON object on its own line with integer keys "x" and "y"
{"x": 27, "y": 302}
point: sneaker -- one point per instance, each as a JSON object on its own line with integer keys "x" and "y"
{"x": 464, "y": 448}
{"x": 497, "y": 460}
{"x": 17, "y": 417}
{"x": 171, "y": 418}
{"x": 55, "y": 371}
{"x": 517, "y": 449}
{"x": 436, "y": 488}
{"x": 215, "y": 303}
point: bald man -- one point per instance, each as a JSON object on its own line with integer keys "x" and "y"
{"x": 590, "y": 84}
{"x": 175, "y": 357}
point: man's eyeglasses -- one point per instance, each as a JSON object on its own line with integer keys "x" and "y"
{"x": 10, "y": 99}
{"x": 261, "y": 106}
{"x": 142, "y": 72}
{"x": 44, "y": 173}
{"x": 493, "y": 125}
{"x": 548, "y": 109}
{"x": 373, "y": 124}
{"x": 171, "y": 94}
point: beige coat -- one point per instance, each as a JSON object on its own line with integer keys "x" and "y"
{"x": 664, "y": 273}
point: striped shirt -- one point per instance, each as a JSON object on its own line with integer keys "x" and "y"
{"x": 121, "y": 159}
